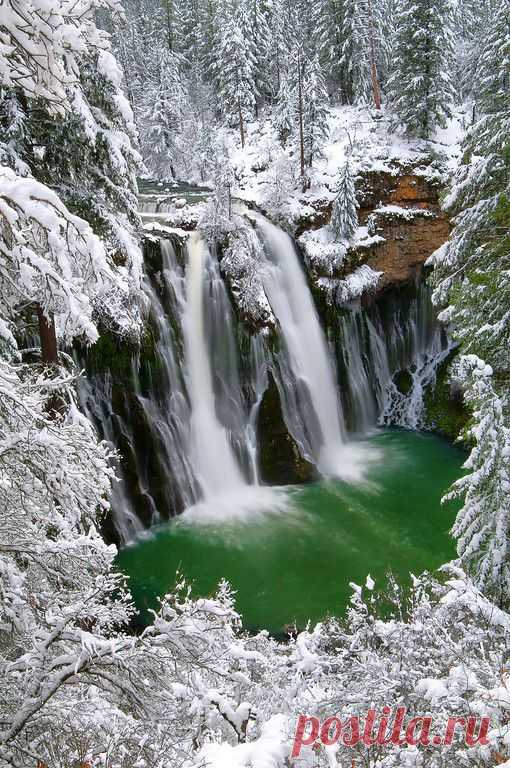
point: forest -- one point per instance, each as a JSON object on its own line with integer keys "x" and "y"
{"x": 254, "y": 383}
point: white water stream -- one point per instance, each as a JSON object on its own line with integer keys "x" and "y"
{"x": 310, "y": 359}
{"x": 226, "y": 493}
{"x": 189, "y": 424}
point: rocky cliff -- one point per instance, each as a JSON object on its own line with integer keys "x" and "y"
{"x": 401, "y": 225}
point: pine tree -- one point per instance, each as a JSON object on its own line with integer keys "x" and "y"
{"x": 258, "y": 14}
{"x": 283, "y": 31}
{"x": 482, "y": 527}
{"x": 420, "y": 87}
{"x": 344, "y": 216}
{"x": 328, "y": 22}
{"x": 361, "y": 51}
{"x": 235, "y": 68}
{"x": 472, "y": 269}
{"x": 163, "y": 121}
{"x": 89, "y": 157}
{"x": 472, "y": 18}
{"x": 316, "y": 110}
{"x": 284, "y": 112}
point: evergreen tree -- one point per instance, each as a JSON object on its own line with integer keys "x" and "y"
{"x": 188, "y": 14}
{"x": 361, "y": 51}
{"x": 344, "y": 216}
{"x": 164, "y": 119}
{"x": 328, "y": 23}
{"x": 420, "y": 87}
{"x": 482, "y": 527}
{"x": 258, "y": 15}
{"x": 316, "y": 110}
{"x": 284, "y": 113}
{"x": 472, "y": 20}
{"x": 283, "y": 31}
{"x": 472, "y": 269}
{"x": 236, "y": 66}
{"x": 89, "y": 157}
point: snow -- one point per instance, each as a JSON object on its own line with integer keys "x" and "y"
{"x": 270, "y": 750}
{"x": 432, "y": 690}
{"x": 399, "y": 212}
{"x": 110, "y": 69}
{"x": 363, "y": 280}
{"x": 370, "y": 145}
{"x": 323, "y": 254}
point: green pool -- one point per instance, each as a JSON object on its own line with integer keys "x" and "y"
{"x": 297, "y": 565}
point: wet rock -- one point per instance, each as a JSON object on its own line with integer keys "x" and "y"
{"x": 403, "y": 382}
{"x": 445, "y": 411}
{"x": 280, "y": 460}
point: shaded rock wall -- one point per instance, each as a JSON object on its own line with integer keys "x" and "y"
{"x": 280, "y": 460}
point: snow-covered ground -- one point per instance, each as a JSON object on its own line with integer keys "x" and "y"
{"x": 263, "y": 168}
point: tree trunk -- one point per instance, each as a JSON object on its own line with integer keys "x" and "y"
{"x": 241, "y": 123}
{"x": 373, "y": 66}
{"x": 301, "y": 126}
{"x": 169, "y": 25}
{"x": 48, "y": 338}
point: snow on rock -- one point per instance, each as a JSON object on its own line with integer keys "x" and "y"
{"x": 242, "y": 264}
{"x": 362, "y": 280}
{"x": 154, "y": 230}
{"x": 401, "y": 213}
{"x": 268, "y": 175}
{"x": 322, "y": 253}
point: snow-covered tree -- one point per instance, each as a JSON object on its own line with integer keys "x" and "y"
{"x": 52, "y": 258}
{"x": 236, "y": 68}
{"x": 281, "y": 182}
{"x": 482, "y": 527}
{"x": 258, "y": 15}
{"x": 362, "y": 51}
{"x": 78, "y": 140}
{"x": 216, "y": 220}
{"x": 315, "y": 110}
{"x": 163, "y": 122}
{"x": 420, "y": 87}
{"x": 284, "y": 113}
{"x": 471, "y": 269}
{"x": 472, "y": 19}
{"x": 344, "y": 215}
{"x": 328, "y": 19}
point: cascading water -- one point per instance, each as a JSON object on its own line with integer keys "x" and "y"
{"x": 96, "y": 403}
{"x": 308, "y": 367}
{"x": 211, "y": 453}
{"x": 226, "y": 493}
{"x": 186, "y": 419}
{"x": 380, "y": 344}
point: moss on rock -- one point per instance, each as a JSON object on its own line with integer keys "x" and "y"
{"x": 280, "y": 460}
{"x": 445, "y": 410}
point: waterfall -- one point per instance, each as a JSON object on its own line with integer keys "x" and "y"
{"x": 184, "y": 415}
{"x": 211, "y": 453}
{"x": 219, "y": 421}
{"x": 309, "y": 360}
{"x": 95, "y": 400}
{"x": 397, "y": 337}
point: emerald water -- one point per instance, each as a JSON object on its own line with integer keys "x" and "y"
{"x": 297, "y": 565}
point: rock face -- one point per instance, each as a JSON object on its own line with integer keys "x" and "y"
{"x": 404, "y": 224}
{"x": 280, "y": 460}
{"x": 403, "y": 210}
{"x": 445, "y": 410}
